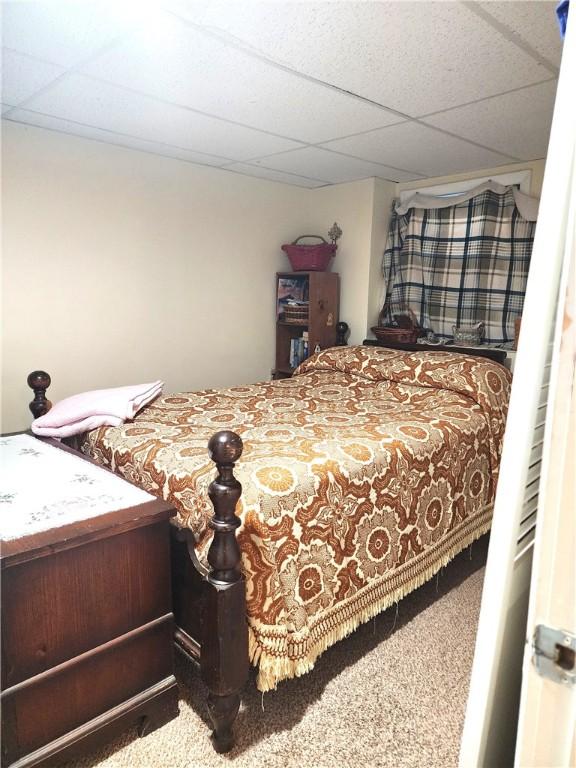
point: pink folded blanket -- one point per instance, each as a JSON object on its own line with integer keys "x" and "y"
{"x": 101, "y": 407}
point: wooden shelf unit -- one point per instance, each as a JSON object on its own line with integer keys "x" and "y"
{"x": 322, "y": 290}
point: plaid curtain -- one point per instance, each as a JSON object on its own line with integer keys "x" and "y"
{"x": 460, "y": 265}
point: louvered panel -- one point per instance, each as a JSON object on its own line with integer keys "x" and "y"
{"x": 536, "y": 452}
{"x": 544, "y": 394}
{"x": 526, "y": 543}
{"x": 538, "y": 435}
{"x": 531, "y": 489}
{"x": 540, "y": 416}
{"x": 529, "y": 513}
{"x": 526, "y": 526}
{"x": 529, "y": 508}
{"x": 534, "y": 469}
{"x": 528, "y": 518}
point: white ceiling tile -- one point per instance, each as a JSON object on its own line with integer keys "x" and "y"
{"x": 200, "y": 72}
{"x": 266, "y": 173}
{"x": 64, "y": 33}
{"x": 330, "y": 167}
{"x": 534, "y": 21}
{"x": 418, "y": 149}
{"x": 415, "y": 57}
{"x": 118, "y": 139}
{"x": 194, "y": 61}
{"x": 23, "y": 75}
{"x": 89, "y": 102}
{"x": 517, "y": 123}
{"x": 192, "y": 10}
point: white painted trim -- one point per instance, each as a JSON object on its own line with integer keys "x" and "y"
{"x": 523, "y": 178}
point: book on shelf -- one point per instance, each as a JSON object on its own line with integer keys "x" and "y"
{"x": 299, "y": 350}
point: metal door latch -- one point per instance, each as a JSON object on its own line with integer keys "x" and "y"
{"x": 554, "y": 654}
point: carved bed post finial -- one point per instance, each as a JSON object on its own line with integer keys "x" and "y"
{"x": 224, "y": 643}
{"x": 341, "y": 333}
{"x": 39, "y": 381}
{"x": 225, "y": 448}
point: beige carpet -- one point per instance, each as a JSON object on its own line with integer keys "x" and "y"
{"x": 392, "y": 694}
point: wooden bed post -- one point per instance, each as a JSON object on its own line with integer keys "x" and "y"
{"x": 39, "y": 381}
{"x": 224, "y": 643}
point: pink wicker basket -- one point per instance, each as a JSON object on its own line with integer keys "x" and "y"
{"x": 314, "y": 257}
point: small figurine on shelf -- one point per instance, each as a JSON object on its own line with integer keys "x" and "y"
{"x": 334, "y": 233}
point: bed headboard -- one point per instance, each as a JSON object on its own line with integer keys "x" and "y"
{"x": 497, "y": 355}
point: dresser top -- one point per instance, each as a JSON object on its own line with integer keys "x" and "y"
{"x": 45, "y": 488}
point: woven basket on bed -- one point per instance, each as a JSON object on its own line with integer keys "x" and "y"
{"x": 396, "y": 335}
{"x": 407, "y": 330}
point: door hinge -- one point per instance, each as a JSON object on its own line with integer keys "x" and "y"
{"x": 554, "y": 654}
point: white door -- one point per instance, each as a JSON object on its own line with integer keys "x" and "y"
{"x": 546, "y": 727}
{"x": 530, "y": 573}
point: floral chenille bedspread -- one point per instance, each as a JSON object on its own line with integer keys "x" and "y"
{"x": 362, "y": 476}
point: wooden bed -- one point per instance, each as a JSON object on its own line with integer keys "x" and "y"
{"x": 362, "y": 476}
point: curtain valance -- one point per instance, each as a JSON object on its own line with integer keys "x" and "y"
{"x": 527, "y": 206}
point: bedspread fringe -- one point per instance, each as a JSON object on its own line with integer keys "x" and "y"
{"x": 276, "y": 663}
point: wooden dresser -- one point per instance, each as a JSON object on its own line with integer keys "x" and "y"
{"x": 87, "y": 623}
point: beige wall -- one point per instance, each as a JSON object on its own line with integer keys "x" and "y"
{"x": 120, "y": 267}
{"x": 358, "y": 208}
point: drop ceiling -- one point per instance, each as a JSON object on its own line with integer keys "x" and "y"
{"x": 303, "y": 93}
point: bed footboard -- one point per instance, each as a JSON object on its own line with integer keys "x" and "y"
{"x": 210, "y": 603}
{"x": 223, "y": 630}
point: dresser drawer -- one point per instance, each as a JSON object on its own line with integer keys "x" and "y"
{"x": 58, "y": 606}
{"x": 52, "y": 704}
